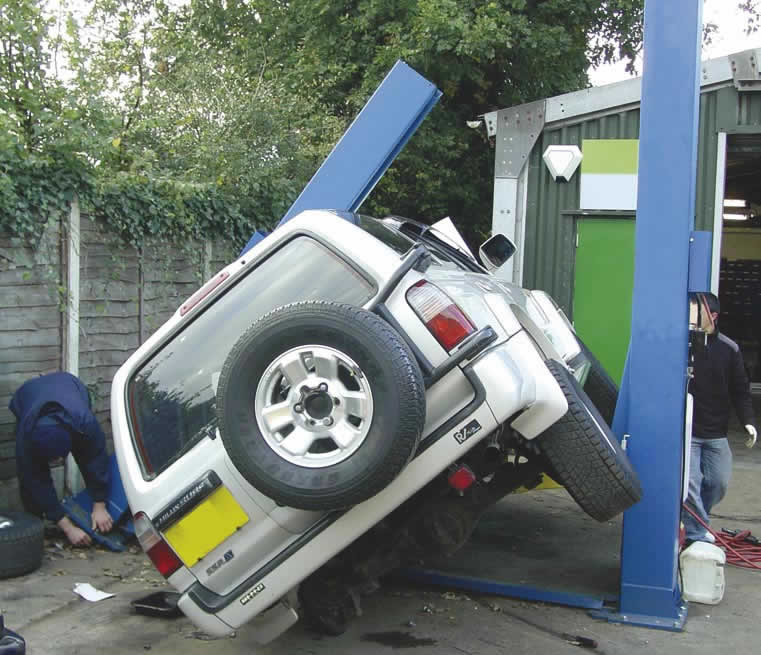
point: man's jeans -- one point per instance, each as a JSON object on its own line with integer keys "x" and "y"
{"x": 710, "y": 471}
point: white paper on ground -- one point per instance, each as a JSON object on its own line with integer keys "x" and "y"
{"x": 88, "y": 592}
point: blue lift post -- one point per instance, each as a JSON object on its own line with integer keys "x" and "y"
{"x": 653, "y": 393}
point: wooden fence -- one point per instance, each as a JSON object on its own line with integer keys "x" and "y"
{"x": 80, "y": 300}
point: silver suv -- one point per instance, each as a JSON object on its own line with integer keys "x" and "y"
{"x": 336, "y": 403}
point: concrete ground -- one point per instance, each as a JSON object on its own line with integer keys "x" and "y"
{"x": 540, "y": 539}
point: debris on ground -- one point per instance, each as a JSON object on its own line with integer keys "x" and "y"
{"x": 88, "y": 592}
{"x": 449, "y": 595}
{"x": 582, "y": 642}
{"x": 202, "y": 636}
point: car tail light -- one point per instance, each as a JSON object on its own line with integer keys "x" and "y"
{"x": 163, "y": 557}
{"x": 444, "y": 319}
{"x": 461, "y": 478}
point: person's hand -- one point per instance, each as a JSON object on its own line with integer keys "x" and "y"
{"x": 752, "y": 438}
{"x": 101, "y": 519}
{"x": 76, "y": 536}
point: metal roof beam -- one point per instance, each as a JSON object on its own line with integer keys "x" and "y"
{"x": 740, "y": 69}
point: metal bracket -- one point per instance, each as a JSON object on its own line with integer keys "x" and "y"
{"x": 517, "y": 130}
{"x": 699, "y": 272}
{"x": 745, "y": 70}
{"x": 642, "y": 620}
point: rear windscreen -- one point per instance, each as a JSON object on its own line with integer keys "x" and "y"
{"x": 172, "y": 396}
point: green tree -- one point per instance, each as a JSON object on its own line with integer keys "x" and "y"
{"x": 483, "y": 55}
{"x": 248, "y": 98}
{"x": 30, "y": 100}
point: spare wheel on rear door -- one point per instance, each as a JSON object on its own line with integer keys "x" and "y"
{"x": 320, "y": 405}
{"x": 585, "y": 456}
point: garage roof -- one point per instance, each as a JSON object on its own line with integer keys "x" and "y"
{"x": 741, "y": 69}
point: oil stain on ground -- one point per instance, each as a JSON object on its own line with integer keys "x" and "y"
{"x": 396, "y": 639}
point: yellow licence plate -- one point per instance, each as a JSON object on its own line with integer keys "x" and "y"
{"x": 208, "y": 525}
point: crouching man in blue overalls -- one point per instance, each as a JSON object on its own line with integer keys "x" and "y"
{"x": 54, "y": 419}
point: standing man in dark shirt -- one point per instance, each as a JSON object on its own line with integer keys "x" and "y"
{"x": 54, "y": 419}
{"x": 719, "y": 382}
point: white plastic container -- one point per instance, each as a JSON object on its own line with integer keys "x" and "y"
{"x": 703, "y": 573}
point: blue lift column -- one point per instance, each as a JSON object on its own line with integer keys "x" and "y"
{"x": 652, "y": 398}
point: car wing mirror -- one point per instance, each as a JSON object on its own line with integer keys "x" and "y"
{"x": 495, "y": 251}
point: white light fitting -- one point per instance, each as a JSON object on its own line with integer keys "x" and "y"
{"x": 562, "y": 161}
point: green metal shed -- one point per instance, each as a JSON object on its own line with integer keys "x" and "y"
{"x": 583, "y": 256}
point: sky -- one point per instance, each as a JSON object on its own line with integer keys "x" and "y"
{"x": 730, "y": 38}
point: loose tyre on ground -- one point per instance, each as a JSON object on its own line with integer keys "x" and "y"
{"x": 600, "y": 387}
{"x": 320, "y": 405}
{"x": 585, "y": 456}
{"x": 21, "y": 543}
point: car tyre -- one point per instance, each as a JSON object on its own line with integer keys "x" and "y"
{"x": 320, "y": 405}
{"x": 21, "y": 543}
{"x": 599, "y": 386}
{"x": 585, "y": 456}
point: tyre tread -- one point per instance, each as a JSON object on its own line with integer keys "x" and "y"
{"x": 21, "y": 546}
{"x": 595, "y": 477}
{"x": 600, "y": 387}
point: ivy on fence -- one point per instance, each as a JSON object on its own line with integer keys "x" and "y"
{"x": 132, "y": 206}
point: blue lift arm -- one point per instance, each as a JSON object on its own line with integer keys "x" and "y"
{"x": 366, "y": 150}
{"x": 370, "y": 145}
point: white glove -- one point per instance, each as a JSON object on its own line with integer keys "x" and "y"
{"x": 752, "y": 438}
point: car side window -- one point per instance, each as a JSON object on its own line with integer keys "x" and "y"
{"x": 172, "y": 397}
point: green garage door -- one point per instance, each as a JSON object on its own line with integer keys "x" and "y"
{"x": 603, "y": 282}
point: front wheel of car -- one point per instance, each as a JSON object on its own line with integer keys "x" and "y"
{"x": 600, "y": 387}
{"x": 320, "y": 405}
{"x": 585, "y": 456}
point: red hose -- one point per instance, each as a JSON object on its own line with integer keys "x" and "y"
{"x": 740, "y": 548}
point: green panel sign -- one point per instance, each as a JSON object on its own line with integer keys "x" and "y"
{"x": 610, "y": 156}
{"x": 603, "y": 284}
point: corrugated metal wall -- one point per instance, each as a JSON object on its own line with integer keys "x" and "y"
{"x": 550, "y": 233}
{"x": 748, "y": 110}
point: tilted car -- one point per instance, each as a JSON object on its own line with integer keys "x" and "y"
{"x": 338, "y": 402}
